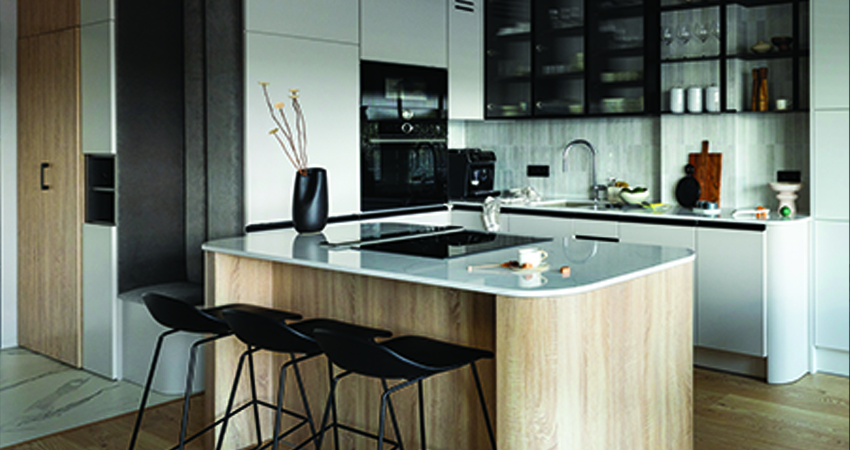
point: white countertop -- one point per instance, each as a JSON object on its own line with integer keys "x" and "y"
{"x": 593, "y": 264}
{"x": 673, "y": 212}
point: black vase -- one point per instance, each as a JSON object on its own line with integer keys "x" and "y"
{"x": 310, "y": 201}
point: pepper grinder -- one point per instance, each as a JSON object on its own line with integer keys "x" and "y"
{"x": 763, "y": 97}
{"x": 754, "y": 104}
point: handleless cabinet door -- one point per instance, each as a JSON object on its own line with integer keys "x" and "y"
{"x": 466, "y": 59}
{"x": 331, "y": 20}
{"x": 832, "y": 292}
{"x": 49, "y": 193}
{"x": 404, "y": 32}
{"x": 732, "y": 290}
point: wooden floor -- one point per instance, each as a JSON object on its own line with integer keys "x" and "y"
{"x": 730, "y": 412}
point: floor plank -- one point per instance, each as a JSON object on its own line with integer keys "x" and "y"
{"x": 730, "y": 412}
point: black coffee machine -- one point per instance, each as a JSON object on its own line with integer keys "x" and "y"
{"x": 471, "y": 173}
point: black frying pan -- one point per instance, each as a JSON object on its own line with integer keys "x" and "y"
{"x": 688, "y": 188}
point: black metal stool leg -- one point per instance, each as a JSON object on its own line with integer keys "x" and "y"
{"x": 328, "y": 406}
{"x": 396, "y": 429}
{"x": 277, "y": 417}
{"x": 333, "y": 406}
{"x": 385, "y": 398}
{"x": 148, "y": 383}
{"x": 254, "y": 399}
{"x": 304, "y": 401}
{"x": 484, "y": 406}
{"x": 189, "y": 378}
{"x": 230, "y": 400}
{"x": 422, "y": 433}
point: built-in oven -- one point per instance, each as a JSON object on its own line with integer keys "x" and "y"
{"x": 403, "y": 156}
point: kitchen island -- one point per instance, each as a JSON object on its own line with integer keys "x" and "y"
{"x": 599, "y": 359}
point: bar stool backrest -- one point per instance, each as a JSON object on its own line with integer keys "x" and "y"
{"x": 179, "y": 315}
{"x": 367, "y": 357}
{"x": 258, "y": 330}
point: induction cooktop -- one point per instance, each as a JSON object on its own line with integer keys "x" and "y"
{"x": 453, "y": 244}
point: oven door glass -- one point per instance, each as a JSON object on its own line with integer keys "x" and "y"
{"x": 402, "y": 174}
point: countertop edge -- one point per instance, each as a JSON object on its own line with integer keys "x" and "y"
{"x": 515, "y": 293}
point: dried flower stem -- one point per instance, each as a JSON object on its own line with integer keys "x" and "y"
{"x": 294, "y": 146}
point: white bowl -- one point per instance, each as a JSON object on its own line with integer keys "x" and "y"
{"x": 634, "y": 198}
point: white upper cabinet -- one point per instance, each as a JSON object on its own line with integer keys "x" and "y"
{"x": 466, "y": 59}
{"x": 332, "y": 20}
{"x": 831, "y": 160}
{"x": 404, "y": 31}
{"x": 830, "y": 59}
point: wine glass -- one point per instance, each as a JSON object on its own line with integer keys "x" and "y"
{"x": 701, "y": 32}
{"x": 667, "y": 36}
{"x": 684, "y": 36}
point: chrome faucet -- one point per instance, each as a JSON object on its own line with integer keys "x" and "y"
{"x": 595, "y": 187}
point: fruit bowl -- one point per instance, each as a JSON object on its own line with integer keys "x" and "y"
{"x": 634, "y": 196}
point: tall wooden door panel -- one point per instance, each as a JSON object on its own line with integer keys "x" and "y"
{"x": 49, "y": 195}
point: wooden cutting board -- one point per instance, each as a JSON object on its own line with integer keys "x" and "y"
{"x": 709, "y": 169}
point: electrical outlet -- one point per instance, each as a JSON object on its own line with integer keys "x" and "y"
{"x": 537, "y": 171}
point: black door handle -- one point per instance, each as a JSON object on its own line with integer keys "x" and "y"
{"x": 596, "y": 238}
{"x": 44, "y": 186}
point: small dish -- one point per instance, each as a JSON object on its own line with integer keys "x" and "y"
{"x": 542, "y": 267}
{"x": 634, "y": 196}
{"x": 761, "y": 47}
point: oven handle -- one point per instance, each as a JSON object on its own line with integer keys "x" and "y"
{"x": 408, "y": 141}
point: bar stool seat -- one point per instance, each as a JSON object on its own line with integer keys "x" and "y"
{"x": 258, "y": 329}
{"x": 180, "y": 316}
{"x": 411, "y": 358}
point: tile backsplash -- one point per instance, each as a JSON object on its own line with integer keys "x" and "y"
{"x": 649, "y": 152}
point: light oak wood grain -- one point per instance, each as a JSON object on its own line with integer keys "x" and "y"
{"x": 50, "y": 221}
{"x": 453, "y": 414}
{"x": 46, "y": 16}
{"x": 608, "y": 369}
{"x": 605, "y": 369}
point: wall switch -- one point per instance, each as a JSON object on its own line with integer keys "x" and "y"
{"x": 788, "y": 176}
{"x": 537, "y": 171}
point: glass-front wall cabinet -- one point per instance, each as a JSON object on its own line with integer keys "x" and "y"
{"x": 569, "y": 58}
{"x": 562, "y": 58}
{"x": 729, "y": 46}
{"x": 508, "y": 56}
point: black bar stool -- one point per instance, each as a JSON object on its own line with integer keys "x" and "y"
{"x": 411, "y": 358}
{"x": 178, "y": 315}
{"x": 260, "y": 332}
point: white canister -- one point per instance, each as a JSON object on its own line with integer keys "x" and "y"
{"x": 695, "y": 99}
{"x": 712, "y": 99}
{"x": 677, "y": 100}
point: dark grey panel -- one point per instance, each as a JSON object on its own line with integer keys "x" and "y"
{"x": 225, "y": 130}
{"x": 196, "y": 139}
{"x": 151, "y": 205}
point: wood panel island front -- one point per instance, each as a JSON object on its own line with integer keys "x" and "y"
{"x": 600, "y": 359}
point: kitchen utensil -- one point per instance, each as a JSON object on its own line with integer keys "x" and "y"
{"x": 782, "y": 104}
{"x": 688, "y": 188}
{"x": 708, "y": 168}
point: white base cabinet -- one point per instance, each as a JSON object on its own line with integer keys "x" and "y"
{"x": 832, "y": 309}
{"x": 731, "y": 300}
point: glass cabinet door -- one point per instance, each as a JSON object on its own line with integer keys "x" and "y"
{"x": 559, "y": 81}
{"x": 508, "y": 43}
{"x": 615, "y": 71}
